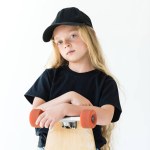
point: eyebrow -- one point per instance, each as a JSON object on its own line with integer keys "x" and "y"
{"x": 71, "y": 30}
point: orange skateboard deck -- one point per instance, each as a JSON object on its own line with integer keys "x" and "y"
{"x": 70, "y": 133}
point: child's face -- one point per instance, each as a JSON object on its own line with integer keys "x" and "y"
{"x": 70, "y": 44}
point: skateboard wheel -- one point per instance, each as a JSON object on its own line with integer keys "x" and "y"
{"x": 88, "y": 118}
{"x": 33, "y": 117}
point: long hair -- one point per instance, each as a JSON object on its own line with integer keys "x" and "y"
{"x": 88, "y": 36}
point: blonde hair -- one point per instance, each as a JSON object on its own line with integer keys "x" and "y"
{"x": 88, "y": 35}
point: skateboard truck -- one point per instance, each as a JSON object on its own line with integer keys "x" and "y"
{"x": 69, "y": 125}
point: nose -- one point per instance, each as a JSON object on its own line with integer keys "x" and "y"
{"x": 67, "y": 44}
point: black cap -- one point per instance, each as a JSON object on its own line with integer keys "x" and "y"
{"x": 67, "y": 16}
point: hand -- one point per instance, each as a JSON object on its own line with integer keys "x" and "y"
{"x": 77, "y": 99}
{"x": 50, "y": 116}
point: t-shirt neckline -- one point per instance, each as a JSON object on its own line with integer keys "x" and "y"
{"x": 91, "y": 72}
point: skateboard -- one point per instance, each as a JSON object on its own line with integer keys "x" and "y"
{"x": 70, "y": 133}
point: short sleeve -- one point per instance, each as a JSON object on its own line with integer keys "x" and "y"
{"x": 41, "y": 88}
{"x": 110, "y": 95}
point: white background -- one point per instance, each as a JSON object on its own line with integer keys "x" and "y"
{"x": 123, "y": 28}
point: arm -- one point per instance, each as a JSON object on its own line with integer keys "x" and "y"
{"x": 39, "y": 103}
{"x": 69, "y": 97}
{"x": 104, "y": 113}
{"x": 51, "y": 116}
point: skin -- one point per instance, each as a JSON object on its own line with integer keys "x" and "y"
{"x": 74, "y": 50}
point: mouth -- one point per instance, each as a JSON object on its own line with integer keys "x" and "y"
{"x": 70, "y": 52}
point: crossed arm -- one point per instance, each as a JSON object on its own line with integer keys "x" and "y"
{"x": 69, "y": 104}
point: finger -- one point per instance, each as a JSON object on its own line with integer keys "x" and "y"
{"x": 47, "y": 123}
{"x": 42, "y": 122}
{"x": 52, "y": 124}
{"x": 87, "y": 104}
{"x": 83, "y": 104}
{"x": 90, "y": 103}
{"x": 39, "y": 118}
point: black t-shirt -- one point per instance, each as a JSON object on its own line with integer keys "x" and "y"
{"x": 95, "y": 85}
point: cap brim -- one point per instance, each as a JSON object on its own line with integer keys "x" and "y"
{"x": 48, "y": 33}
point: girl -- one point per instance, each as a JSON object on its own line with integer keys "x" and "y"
{"x": 77, "y": 79}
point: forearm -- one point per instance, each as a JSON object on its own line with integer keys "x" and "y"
{"x": 56, "y": 113}
{"x": 68, "y": 97}
{"x": 64, "y": 98}
{"x": 104, "y": 116}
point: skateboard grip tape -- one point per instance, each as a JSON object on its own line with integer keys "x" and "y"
{"x": 34, "y": 114}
